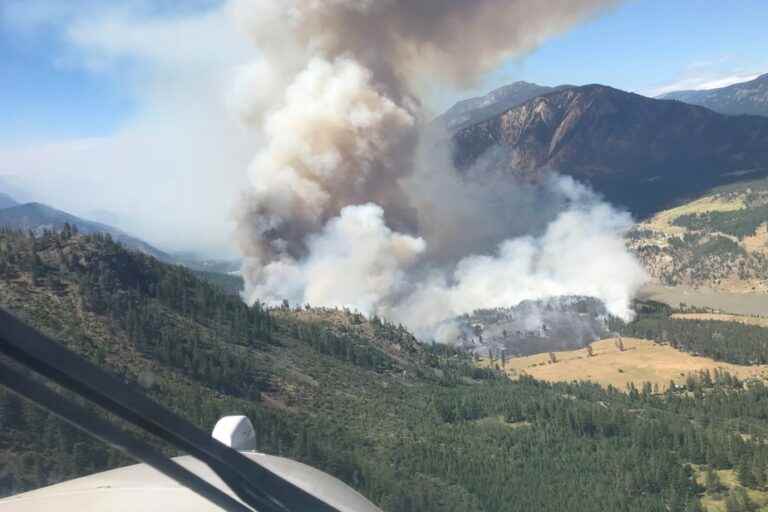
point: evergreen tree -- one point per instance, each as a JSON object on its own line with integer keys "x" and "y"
{"x": 739, "y": 501}
{"x": 712, "y": 481}
{"x": 745, "y": 474}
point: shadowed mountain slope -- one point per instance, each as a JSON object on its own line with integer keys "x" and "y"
{"x": 640, "y": 153}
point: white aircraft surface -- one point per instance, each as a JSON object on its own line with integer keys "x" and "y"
{"x": 140, "y": 488}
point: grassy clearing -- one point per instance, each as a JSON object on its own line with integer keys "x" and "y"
{"x": 641, "y": 361}
{"x": 729, "y": 480}
{"x": 722, "y": 317}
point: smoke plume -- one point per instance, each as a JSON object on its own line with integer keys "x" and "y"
{"x": 350, "y": 205}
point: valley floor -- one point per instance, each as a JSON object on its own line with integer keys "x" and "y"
{"x": 641, "y": 361}
{"x": 738, "y": 303}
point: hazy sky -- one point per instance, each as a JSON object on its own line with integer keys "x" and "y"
{"x": 121, "y": 105}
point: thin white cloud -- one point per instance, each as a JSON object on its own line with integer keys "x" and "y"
{"x": 713, "y": 73}
{"x": 174, "y": 170}
{"x": 702, "y": 83}
{"x": 726, "y": 81}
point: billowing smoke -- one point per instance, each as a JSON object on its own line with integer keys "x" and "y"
{"x": 581, "y": 252}
{"x": 351, "y": 206}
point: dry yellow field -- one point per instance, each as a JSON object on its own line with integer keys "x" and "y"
{"x": 663, "y": 221}
{"x": 759, "y": 321}
{"x": 641, "y": 361}
{"x": 759, "y": 241}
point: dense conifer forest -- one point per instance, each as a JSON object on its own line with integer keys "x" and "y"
{"x": 415, "y": 427}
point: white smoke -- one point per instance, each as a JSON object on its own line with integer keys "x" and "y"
{"x": 329, "y": 146}
{"x": 356, "y": 261}
{"x": 348, "y": 206}
{"x": 581, "y": 253}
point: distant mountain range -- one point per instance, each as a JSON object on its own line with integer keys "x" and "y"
{"x": 744, "y": 98}
{"x": 210, "y": 265}
{"x": 38, "y": 217}
{"x": 638, "y": 152}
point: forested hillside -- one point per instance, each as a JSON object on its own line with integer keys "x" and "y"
{"x": 416, "y": 428}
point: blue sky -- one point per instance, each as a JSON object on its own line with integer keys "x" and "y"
{"x": 109, "y": 95}
{"x": 642, "y": 45}
{"x": 645, "y": 44}
{"x": 43, "y": 98}
{"x": 47, "y": 93}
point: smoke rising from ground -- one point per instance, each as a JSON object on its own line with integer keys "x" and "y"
{"x": 581, "y": 252}
{"x": 351, "y": 205}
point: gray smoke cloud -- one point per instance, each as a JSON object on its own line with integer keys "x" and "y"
{"x": 349, "y": 205}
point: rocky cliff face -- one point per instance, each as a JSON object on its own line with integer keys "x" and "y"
{"x": 749, "y": 98}
{"x": 639, "y": 152}
{"x": 474, "y": 110}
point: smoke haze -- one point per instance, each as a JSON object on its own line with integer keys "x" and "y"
{"x": 173, "y": 168}
{"x": 352, "y": 204}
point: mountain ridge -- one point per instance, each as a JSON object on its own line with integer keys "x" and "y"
{"x": 638, "y": 152}
{"x": 38, "y": 217}
{"x": 472, "y": 110}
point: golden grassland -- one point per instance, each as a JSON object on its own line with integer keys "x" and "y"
{"x": 729, "y": 480}
{"x": 641, "y": 361}
{"x": 759, "y": 321}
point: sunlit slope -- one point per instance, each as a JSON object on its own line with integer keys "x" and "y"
{"x": 718, "y": 241}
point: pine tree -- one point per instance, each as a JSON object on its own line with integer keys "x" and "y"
{"x": 759, "y": 473}
{"x": 739, "y": 501}
{"x": 712, "y": 481}
{"x": 744, "y": 472}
